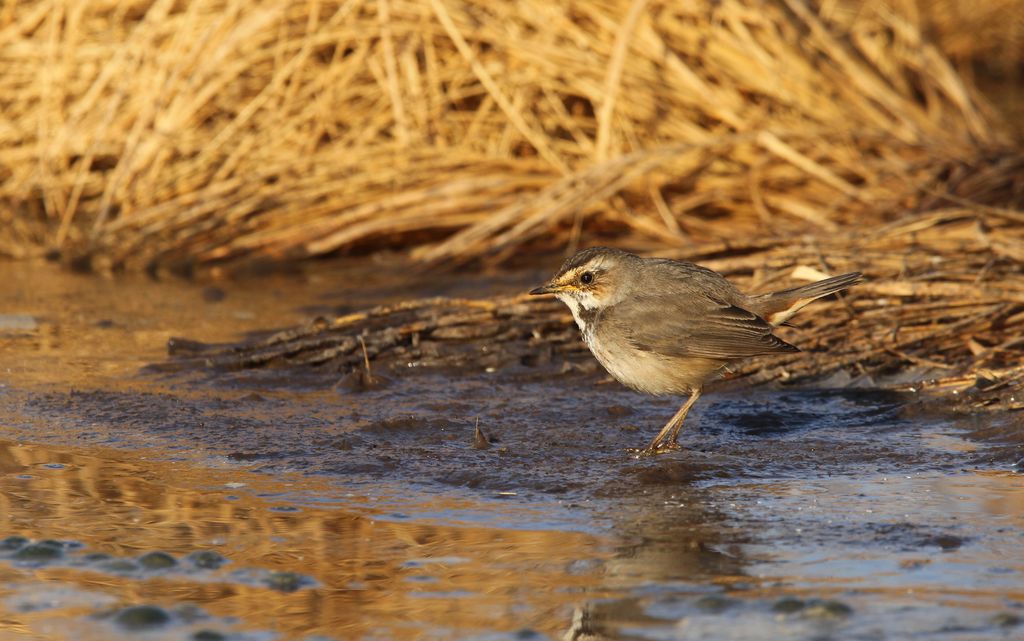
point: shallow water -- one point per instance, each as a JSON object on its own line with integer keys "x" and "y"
{"x": 262, "y": 505}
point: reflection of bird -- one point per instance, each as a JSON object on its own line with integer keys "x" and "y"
{"x": 604, "y": 620}
{"x": 667, "y": 327}
{"x": 581, "y": 628}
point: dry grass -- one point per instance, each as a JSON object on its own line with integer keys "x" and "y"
{"x": 160, "y": 133}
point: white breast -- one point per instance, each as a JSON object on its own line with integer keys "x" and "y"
{"x": 642, "y": 370}
{"x": 623, "y": 367}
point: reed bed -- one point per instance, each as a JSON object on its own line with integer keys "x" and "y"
{"x": 145, "y": 134}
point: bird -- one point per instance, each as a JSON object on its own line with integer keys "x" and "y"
{"x": 668, "y": 327}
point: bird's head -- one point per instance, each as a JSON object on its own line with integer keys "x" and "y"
{"x": 592, "y": 279}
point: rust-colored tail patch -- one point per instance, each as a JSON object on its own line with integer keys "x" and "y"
{"x": 778, "y": 307}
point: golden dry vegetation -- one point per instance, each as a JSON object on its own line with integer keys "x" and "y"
{"x": 166, "y": 133}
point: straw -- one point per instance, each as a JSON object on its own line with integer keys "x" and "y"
{"x": 143, "y": 135}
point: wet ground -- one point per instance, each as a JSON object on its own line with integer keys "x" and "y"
{"x": 270, "y": 505}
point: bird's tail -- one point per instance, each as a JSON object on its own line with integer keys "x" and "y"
{"x": 778, "y": 307}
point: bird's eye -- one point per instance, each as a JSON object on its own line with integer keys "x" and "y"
{"x": 587, "y": 277}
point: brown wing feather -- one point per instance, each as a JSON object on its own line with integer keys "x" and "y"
{"x": 695, "y": 326}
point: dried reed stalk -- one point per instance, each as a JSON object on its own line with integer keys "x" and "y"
{"x": 942, "y": 311}
{"x": 147, "y": 133}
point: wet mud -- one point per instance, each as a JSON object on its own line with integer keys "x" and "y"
{"x": 468, "y": 504}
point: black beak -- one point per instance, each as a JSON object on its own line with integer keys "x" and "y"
{"x": 543, "y": 289}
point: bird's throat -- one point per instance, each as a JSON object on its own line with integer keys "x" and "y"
{"x": 584, "y": 315}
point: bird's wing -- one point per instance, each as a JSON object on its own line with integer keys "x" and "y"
{"x": 695, "y": 325}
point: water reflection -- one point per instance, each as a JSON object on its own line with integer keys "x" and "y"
{"x": 829, "y": 558}
{"x": 926, "y": 555}
{"x": 681, "y": 538}
{"x": 375, "y": 577}
{"x": 674, "y": 543}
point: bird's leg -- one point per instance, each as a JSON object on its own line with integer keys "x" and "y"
{"x": 682, "y": 415}
{"x": 671, "y": 429}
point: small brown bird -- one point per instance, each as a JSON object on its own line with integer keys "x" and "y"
{"x": 665, "y": 326}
